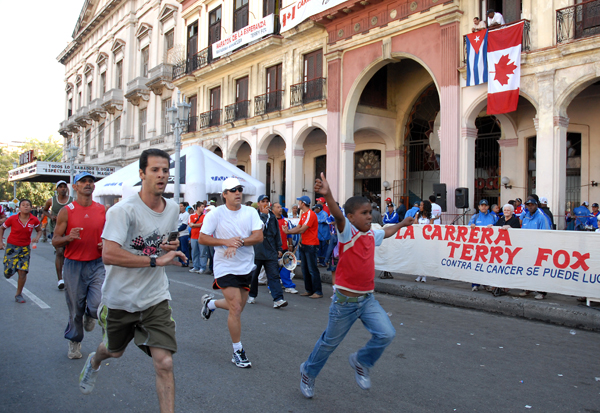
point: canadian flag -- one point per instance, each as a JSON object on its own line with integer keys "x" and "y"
{"x": 504, "y": 68}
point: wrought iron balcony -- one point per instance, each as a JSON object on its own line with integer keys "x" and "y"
{"x": 525, "y": 45}
{"x": 197, "y": 61}
{"x": 237, "y": 111}
{"x": 210, "y": 118}
{"x": 269, "y": 102}
{"x": 192, "y": 125}
{"x": 578, "y": 21}
{"x": 306, "y": 92}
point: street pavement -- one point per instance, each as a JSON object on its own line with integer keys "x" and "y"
{"x": 443, "y": 359}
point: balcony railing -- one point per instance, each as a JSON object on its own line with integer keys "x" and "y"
{"x": 525, "y": 46}
{"x": 269, "y": 102}
{"x": 210, "y": 118}
{"x": 578, "y": 21}
{"x": 192, "y": 125}
{"x": 237, "y": 111}
{"x": 307, "y": 92}
{"x": 197, "y": 61}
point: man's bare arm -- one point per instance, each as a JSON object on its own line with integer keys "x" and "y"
{"x": 114, "y": 254}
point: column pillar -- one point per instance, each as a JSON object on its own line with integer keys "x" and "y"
{"x": 467, "y": 164}
{"x": 334, "y": 107}
{"x": 293, "y": 167}
{"x": 346, "y": 171}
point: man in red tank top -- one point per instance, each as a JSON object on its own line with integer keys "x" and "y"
{"x": 353, "y": 297}
{"x": 78, "y": 229}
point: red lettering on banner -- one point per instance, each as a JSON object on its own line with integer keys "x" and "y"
{"x": 462, "y": 232}
{"x": 580, "y": 261}
{"x": 474, "y": 235}
{"x": 426, "y": 228}
{"x": 511, "y": 254}
{"x": 450, "y": 230}
{"x": 453, "y": 246}
{"x": 503, "y": 236}
{"x": 466, "y": 252}
{"x": 437, "y": 233}
{"x": 565, "y": 262}
{"x": 408, "y": 232}
{"x": 543, "y": 254}
{"x": 480, "y": 253}
{"x": 496, "y": 253}
{"x": 486, "y": 235}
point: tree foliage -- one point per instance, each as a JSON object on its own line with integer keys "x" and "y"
{"x": 37, "y": 192}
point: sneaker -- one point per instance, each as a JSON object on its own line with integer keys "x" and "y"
{"x": 240, "y": 359}
{"x": 361, "y": 374}
{"x": 540, "y": 296}
{"x": 315, "y": 295}
{"x": 475, "y": 288}
{"x": 201, "y": 271}
{"x": 194, "y": 270}
{"x": 206, "y": 312}
{"x": 88, "y": 323}
{"x": 291, "y": 290}
{"x": 61, "y": 284}
{"x": 418, "y": 279}
{"x": 87, "y": 378}
{"x": 424, "y": 279}
{"x": 74, "y": 350}
{"x": 279, "y": 303}
{"x": 251, "y": 300}
{"x": 307, "y": 385}
{"x": 524, "y": 293}
{"x": 19, "y": 299}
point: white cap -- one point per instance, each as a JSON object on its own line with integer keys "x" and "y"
{"x": 586, "y": 203}
{"x": 543, "y": 200}
{"x": 62, "y": 182}
{"x": 230, "y": 183}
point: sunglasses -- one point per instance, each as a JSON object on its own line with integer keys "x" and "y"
{"x": 239, "y": 189}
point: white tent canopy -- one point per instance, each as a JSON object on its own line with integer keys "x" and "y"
{"x": 202, "y": 174}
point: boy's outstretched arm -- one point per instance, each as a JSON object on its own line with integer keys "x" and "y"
{"x": 322, "y": 187}
{"x": 389, "y": 231}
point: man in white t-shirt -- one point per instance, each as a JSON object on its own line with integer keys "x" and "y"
{"x": 232, "y": 229}
{"x": 135, "y": 293}
{"x": 494, "y": 19}
{"x": 436, "y": 210}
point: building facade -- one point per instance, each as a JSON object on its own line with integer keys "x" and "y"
{"x": 118, "y": 75}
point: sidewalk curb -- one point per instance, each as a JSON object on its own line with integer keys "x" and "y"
{"x": 578, "y": 316}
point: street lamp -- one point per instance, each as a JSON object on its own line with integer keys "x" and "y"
{"x": 178, "y": 117}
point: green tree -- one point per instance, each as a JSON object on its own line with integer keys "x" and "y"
{"x": 37, "y": 192}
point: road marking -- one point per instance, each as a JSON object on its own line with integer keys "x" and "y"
{"x": 197, "y": 287}
{"x": 31, "y": 295}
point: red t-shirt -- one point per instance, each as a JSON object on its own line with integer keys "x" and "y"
{"x": 20, "y": 234}
{"x": 91, "y": 219}
{"x": 284, "y": 237}
{"x": 310, "y": 236}
{"x": 196, "y": 230}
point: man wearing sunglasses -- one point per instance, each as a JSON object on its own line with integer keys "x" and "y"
{"x": 232, "y": 229}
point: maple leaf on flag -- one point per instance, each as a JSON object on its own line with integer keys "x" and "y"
{"x": 504, "y": 67}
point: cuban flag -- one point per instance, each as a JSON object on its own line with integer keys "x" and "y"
{"x": 477, "y": 65}
{"x": 504, "y": 65}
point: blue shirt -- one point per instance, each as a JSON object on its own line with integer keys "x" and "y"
{"x": 541, "y": 211}
{"x": 323, "y": 233}
{"x": 412, "y": 212}
{"x": 582, "y": 214}
{"x": 390, "y": 218}
{"x": 536, "y": 221}
{"x": 482, "y": 220}
{"x": 593, "y": 220}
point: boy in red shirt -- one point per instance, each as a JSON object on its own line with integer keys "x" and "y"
{"x": 353, "y": 297}
{"x": 16, "y": 256}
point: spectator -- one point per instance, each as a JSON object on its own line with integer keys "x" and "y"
{"x": 482, "y": 219}
{"x": 401, "y": 210}
{"x": 478, "y": 25}
{"x": 592, "y": 220}
{"x": 323, "y": 233}
{"x": 581, "y": 215}
{"x": 424, "y": 217}
{"x": 413, "y": 211}
{"x": 518, "y": 207}
{"x": 321, "y": 201}
{"x": 496, "y": 210}
{"x": 534, "y": 219}
{"x": 390, "y": 217}
{"x": 295, "y": 211}
{"x": 546, "y": 211}
{"x": 286, "y": 245}
{"x": 508, "y": 219}
{"x": 199, "y": 251}
{"x": 184, "y": 236}
{"x": 376, "y": 215}
{"x": 494, "y": 19}
{"x": 388, "y": 201}
{"x": 436, "y": 210}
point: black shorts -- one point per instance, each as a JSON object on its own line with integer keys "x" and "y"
{"x": 231, "y": 280}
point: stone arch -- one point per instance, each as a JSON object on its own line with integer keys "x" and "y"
{"x": 572, "y": 90}
{"x": 303, "y": 133}
{"x": 263, "y": 143}
{"x": 234, "y": 146}
{"x": 478, "y": 104}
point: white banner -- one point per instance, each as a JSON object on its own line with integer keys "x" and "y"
{"x": 58, "y": 169}
{"x": 564, "y": 262}
{"x": 294, "y": 14}
{"x": 244, "y": 36}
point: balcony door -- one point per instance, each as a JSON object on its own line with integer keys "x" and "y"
{"x": 313, "y": 72}
{"x": 215, "y": 105}
{"x": 241, "y": 98}
{"x": 192, "y": 41}
{"x": 193, "y": 114}
{"x": 274, "y": 84}
{"x": 214, "y": 29}
{"x": 240, "y": 15}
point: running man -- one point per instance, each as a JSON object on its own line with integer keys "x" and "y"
{"x": 51, "y": 210}
{"x": 78, "y": 230}
{"x": 135, "y": 293}
{"x": 232, "y": 229}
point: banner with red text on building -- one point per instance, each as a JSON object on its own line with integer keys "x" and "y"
{"x": 300, "y": 10}
{"x": 244, "y": 36}
{"x": 564, "y": 262}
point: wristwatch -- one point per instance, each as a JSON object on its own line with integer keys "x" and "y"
{"x": 243, "y": 242}
{"x": 153, "y": 260}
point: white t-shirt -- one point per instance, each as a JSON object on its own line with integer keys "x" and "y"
{"x": 423, "y": 220}
{"x": 223, "y": 223}
{"x": 184, "y": 218}
{"x": 140, "y": 231}
{"x": 436, "y": 211}
{"x": 496, "y": 19}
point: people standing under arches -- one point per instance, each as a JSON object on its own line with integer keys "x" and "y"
{"x": 484, "y": 218}
{"x": 424, "y": 217}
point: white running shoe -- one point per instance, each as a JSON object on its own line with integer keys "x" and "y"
{"x": 193, "y": 270}
{"x": 251, "y": 300}
{"x": 279, "y": 303}
{"x": 291, "y": 290}
{"x": 239, "y": 359}
{"x": 74, "y": 350}
{"x": 87, "y": 378}
{"x": 61, "y": 284}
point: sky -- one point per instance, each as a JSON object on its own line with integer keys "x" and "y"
{"x": 33, "y": 80}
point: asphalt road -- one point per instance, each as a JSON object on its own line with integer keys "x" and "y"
{"x": 443, "y": 359}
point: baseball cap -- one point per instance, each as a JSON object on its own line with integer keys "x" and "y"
{"x": 261, "y": 197}
{"x": 304, "y": 199}
{"x": 61, "y": 182}
{"x": 519, "y": 200}
{"x": 317, "y": 206}
{"x": 543, "y": 200}
{"x": 230, "y": 183}
{"x": 595, "y": 204}
{"x": 389, "y": 200}
{"x": 82, "y": 175}
{"x": 531, "y": 201}
{"x": 321, "y": 199}
{"x": 483, "y": 202}
{"x": 586, "y": 203}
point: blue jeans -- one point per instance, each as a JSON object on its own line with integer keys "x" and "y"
{"x": 310, "y": 272}
{"x": 342, "y": 316}
{"x": 184, "y": 246}
{"x": 199, "y": 255}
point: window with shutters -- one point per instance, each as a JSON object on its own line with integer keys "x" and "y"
{"x": 313, "y": 65}
{"x": 88, "y": 138}
{"x": 142, "y": 124}
{"x": 119, "y": 75}
{"x": 145, "y": 61}
{"x": 89, "y": 91}
{"x": 166, "y": 127}
{"x": 70, "y": 108}
{"x": 117, "y": 131}
{"x": 214, "y": 29}
{"x": 274, "y": 88}
{"x": 272, "y": 7}
{"x": 100, "y": 147}
{"x": 240, "y": 14}
{"x": 103, "y": 83}
{"x": 169, "y": 40}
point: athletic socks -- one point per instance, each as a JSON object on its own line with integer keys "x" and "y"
{"x": 211, "y": 305}
{"x": 237, "y": 346}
